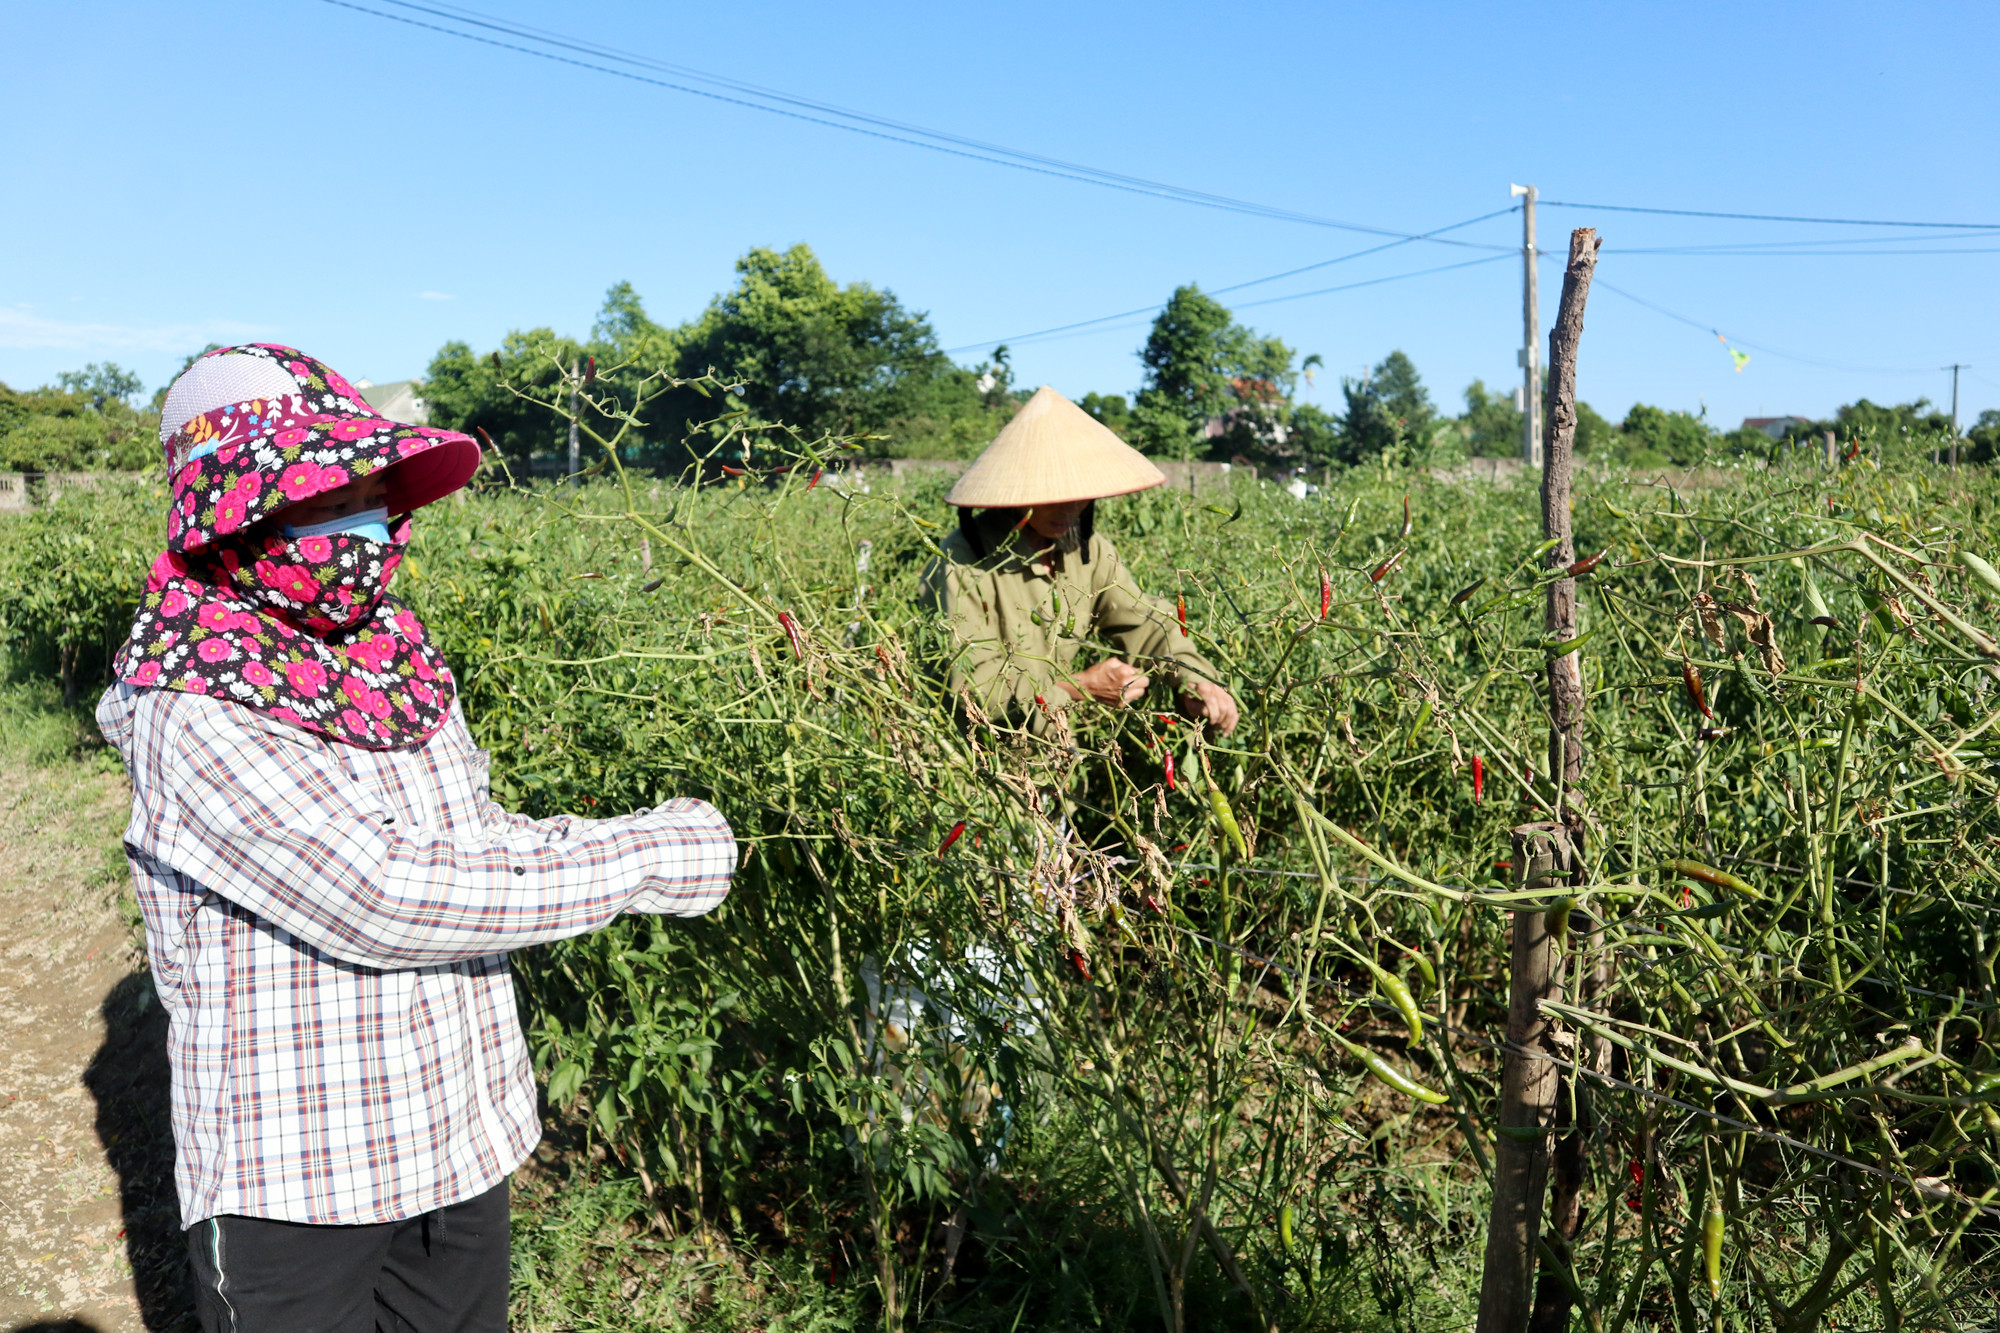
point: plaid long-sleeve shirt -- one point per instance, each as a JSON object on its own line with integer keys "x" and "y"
{"x": 328, "y": 929}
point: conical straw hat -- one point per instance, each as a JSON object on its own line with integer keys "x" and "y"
{"x": 1050, "y": 452}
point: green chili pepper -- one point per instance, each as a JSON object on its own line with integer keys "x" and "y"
{"x": 1712, "y": 1226}
{"x": 1559, "y": 649}
{"x": 1721, "y": 879}
{"x": 1987, "y": 576}
{"x": 1556, "y": 919}
{"x": 1459, "y": 598}
{"x": 1227, "y": 819}
{"x": 1391, "y": 1075}
{"x": 1423, "y": 716}
{"x": 1285, "y": 1215}
{"x": 1399, "y": 995}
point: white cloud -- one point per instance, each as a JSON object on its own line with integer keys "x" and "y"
{"x": 22, "y": 330}
{"x": 435, "y": 296}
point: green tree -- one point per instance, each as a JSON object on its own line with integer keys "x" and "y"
{"x": 810, "y": 353}
{"x": 89, "y": 428}
{"x": 1213, "y": 386}
{"x": 1653, "y": 436}
{"x": 1111, "y": 409}
{"x": 102, "y": 382}
{"x": 496, "y": 393}
{"x": 1491, "y": 424}
{"x": 1386, "y": 408}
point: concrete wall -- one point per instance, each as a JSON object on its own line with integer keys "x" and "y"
{"x": 25, "y": 490}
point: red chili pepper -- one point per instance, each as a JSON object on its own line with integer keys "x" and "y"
{"x": 1167, "y": 719}
{"x": 1153, "y": 906}
{"x": 1691, "y": 678}
{"x": 1382, "y": 570}
{"x": 1168, "y": 755}
{"x": 1503, "y": 865}
{"x": 1687, "y": 894}
{"x": 1478, "y": 778}
{"x": 1025, "y": 516}
{"x": 729, "y": 471}
{"x": 1587, "y": 564}
{"x": 1325, "y": 594}
{"x": 1638, "y": 1172}
{"x": 1041, "y": 703}
{"x": 589, "y": 371}
{"x": 1076, "y": 961}
{"x": 815, "y": 481}
{"x": 1852, "y": 450}
{"x": 1180, "y": 609}
{"x": 1531, "y": 777}
{"x": 957, "y": 832}
{"x": 487, "y": 438}
{"x": 794, "y": 633}
{"x": 1406, "y": 519}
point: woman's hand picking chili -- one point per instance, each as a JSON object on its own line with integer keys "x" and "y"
{"x": 1205, "y": 701}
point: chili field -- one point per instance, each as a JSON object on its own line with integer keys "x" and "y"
{"x": 1114, "y": 1024}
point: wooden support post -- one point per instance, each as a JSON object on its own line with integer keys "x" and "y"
{"x": 1527, "y": 1091}
{"x": 1545, "y": 856}
{"x": 1566, "y": 695}
{"x": 1832, "y": 459}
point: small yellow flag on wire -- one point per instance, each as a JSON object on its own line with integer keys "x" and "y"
{"x": 1741, "y": 359}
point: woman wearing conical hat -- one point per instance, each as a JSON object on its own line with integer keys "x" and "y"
{"x": 1025, "y": 579}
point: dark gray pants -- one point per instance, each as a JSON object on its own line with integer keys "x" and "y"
{"x": 442, "y": 1272}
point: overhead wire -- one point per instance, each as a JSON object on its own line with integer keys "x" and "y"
{"x": 826, "y": 114}
{"x": 1021, "y": 339}
{"x": 547, "y": 45}
{"x": 1656, "y": 308}
{"x": 1771, "y": 217}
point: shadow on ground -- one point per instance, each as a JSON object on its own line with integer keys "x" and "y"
{"x": 130, "y": 1081}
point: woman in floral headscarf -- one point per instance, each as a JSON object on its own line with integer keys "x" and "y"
{"x": 329, "y": 894}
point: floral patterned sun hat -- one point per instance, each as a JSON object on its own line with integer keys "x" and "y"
{"x": 301, "y": 627}
{"x": 248, "y": 430}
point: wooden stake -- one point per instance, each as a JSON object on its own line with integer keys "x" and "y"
{"x": 1559, "y": 617}
{"x": 1545, "y": 855}
{"x": 1528, "y": 1085}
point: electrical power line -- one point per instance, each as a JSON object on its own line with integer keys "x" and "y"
{"x": 1020, "y": 339}
{"x": 1758, "y": 347}
{"x": 1773, "y": 217}
{"x": 827, "y": 114}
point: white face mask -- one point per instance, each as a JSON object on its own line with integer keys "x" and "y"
{"x": 373, "y": 524}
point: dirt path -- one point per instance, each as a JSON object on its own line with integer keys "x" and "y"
{"x": 86, "y": 1190}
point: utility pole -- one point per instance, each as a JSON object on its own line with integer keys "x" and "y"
{"x": 1531, "y": 377}
{"x": 1954, "y": 368}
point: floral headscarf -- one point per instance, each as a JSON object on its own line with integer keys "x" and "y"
{"x": 302, "y": 628}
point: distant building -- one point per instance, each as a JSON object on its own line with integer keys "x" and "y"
{"x": 1775, "y": 427}
{"x": 398, "y": 401}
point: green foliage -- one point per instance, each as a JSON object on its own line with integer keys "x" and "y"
{"x": 1654, "y": 436}
{"x": 874, "y": 1040}
{"x": 70, "y": 577}
{"x": 1491, "y": 424}
{"x": 791, "y": 344}
{"x": 85, "y": 426}
{"x": 102, "y": 383}
{"x": 1387, "y": 410}
{"x": 1112, "y": 410}
{"x": 1213, "y": 388}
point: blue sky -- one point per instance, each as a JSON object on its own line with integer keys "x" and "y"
{"x": 297, "y": 171}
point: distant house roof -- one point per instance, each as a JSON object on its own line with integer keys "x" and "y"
{"x": 397, "y": 401}
{"x": 1775, "y": 427}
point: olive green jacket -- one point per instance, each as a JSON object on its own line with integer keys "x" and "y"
{"x": 1020, "y": 617}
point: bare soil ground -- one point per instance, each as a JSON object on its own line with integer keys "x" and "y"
{"x": 89, "y": 1233}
